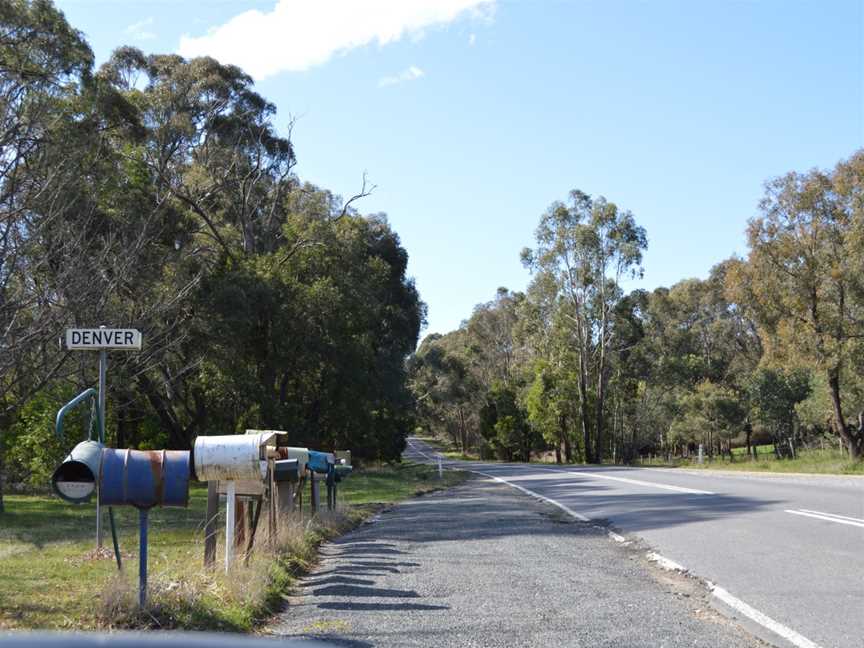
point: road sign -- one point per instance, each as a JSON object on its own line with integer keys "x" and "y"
{"x": 103, "y": 338}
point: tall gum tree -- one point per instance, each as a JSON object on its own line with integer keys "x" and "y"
{"x": 803, "y": 279}
{"x": 587, "y": 246}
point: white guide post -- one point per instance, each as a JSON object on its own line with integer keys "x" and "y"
{"x": 440, "y": 469}
{"x": 231, "y": 496}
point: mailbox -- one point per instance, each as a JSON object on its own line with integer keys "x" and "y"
{"x": 286, "y": 470}
{"x": 75, "y": 478}
{"x": 232, "y": 457}
{"x": 145, "y": 478}
{"x": 321, "y": 462}
{"x": 342, "y": 471}
{"x": 300, "y": 454}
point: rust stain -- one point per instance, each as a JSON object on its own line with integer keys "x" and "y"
{"x": 155, "y": 457}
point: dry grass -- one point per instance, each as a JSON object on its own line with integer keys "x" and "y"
{"x": 51, "y": 578}
{"x": 199, "y": 599}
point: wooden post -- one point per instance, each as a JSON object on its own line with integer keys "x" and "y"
{"x": 210, "y": 528}
{"x": 240, "y": 524}
{"x": 271, "y": 502}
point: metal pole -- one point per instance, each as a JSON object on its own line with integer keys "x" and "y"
{"x": 231, "y": 495}
{"x": 103, "y": 368}
{"x": 114, "y": 538}
{"x": 142, "y": 557}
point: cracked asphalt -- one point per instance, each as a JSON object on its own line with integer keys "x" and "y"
{"x": 482, "y": 565}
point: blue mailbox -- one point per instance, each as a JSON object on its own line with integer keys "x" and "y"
{"x": 145, "y": 478}
{"x": 321, "y": 462}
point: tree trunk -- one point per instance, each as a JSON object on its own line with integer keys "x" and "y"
{"x": 601, "y": 393}
{"x": 853, "y": 442}
{"x": 748, "y": 431}
{"x": 583, "y": 407}
{"x": 2, "y": 508}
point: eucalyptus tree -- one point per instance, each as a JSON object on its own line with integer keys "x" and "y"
{"x": 586, "y": 247}
{"x": 803, "y": 279}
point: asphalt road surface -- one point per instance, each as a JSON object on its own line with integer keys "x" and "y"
{"x": 483, "y": 565}
{"x": 785, "y": 554}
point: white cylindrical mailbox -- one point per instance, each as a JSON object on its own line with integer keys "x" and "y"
{"x": 231, "y": 457}
{"x": 300, "y": 454}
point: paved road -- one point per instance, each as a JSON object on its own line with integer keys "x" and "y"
{"x": 483, "y": 565}
{"x": 790, "y": 547}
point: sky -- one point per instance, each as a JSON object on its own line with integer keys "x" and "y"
{"x": 472, "y": 116}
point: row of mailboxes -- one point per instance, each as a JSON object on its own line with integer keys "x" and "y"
{"x": 147, "y": 478}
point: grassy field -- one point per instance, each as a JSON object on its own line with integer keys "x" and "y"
{"x": 824, "y": 462}
{"x": 816, "y": 461}
{"x": 51, "y": 577}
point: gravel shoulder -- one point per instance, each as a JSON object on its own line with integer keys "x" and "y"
{"x": 481, "y": 565}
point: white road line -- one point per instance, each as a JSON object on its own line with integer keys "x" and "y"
{"x": 826, "y": 517}
{"x": 735, "y": 603}
{"x": 665, "y": 563}
{"x": 762, "y": 619}
{"x": 638, "y": 482}
{"x": 834, "y": 515}
{"x": 531, "y": 493}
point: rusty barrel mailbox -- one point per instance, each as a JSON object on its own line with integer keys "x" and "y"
{"x": 75, "y": 479}
{"x": 144, "y": 479}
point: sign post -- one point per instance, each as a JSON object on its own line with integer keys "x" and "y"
{"x": 102, "y": 339}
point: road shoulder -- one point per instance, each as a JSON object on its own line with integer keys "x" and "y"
{"x": 483, "y": 565}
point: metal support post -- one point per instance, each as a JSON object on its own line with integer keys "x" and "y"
{"x": 142, "y": 557}
{"x": 313, "y": 492}
{"x": 103, "y": 369}
{"x": 231, "y": 496}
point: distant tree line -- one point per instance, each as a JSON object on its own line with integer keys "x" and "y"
{"x": 770, "y": 346}
{"x": 156, "y": 193}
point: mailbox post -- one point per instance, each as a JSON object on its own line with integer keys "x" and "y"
{"x": 231, "y": 458}
{"x": 144, "y": 479}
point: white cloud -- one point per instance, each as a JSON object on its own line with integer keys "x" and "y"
{"x": 409, "y": 74}
{"x": 139, "y": 30}
{"x": 299, "y": 34}
{"x": 472, "y": 39}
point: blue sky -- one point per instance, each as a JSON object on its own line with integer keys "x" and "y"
{"x": 472, "y": 119}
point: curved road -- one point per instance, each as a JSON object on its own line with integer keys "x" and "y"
{"x": 785, "y": 554}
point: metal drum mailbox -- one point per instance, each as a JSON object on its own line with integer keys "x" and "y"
{"x": 145, "y": 478}
{"x": 232, "y": 457}
{"x": 75, "y": 479}
{"x": 300, "y": 454}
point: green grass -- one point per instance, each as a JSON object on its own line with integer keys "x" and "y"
{"x": 50, "y": 577}
{"x": 815, "y": 461}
